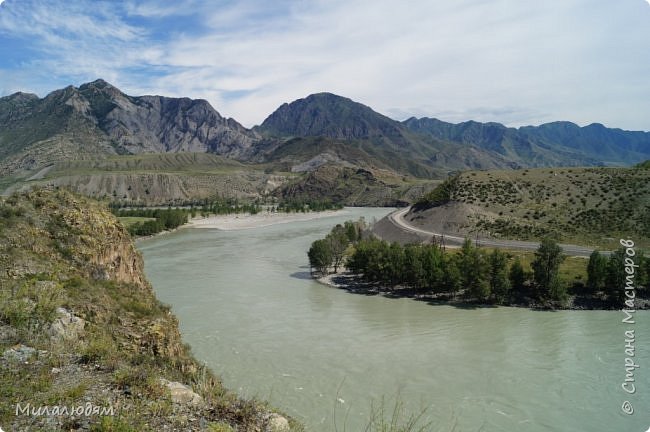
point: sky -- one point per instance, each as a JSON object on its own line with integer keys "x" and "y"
{"x": 517, "y": 62}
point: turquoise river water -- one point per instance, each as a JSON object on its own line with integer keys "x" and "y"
{"x": 249, "y": 310}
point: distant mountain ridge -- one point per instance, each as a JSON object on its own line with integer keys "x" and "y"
{"x": 467, "y": 145}
{"x": 596, "y": 142}
{"x": 97, "y": 120}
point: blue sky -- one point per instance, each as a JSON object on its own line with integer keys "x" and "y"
{"x": 517, "y": 62}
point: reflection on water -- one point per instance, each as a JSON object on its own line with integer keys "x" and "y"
{"x": 248, "y": 309}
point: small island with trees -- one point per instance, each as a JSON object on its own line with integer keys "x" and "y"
{"x": 352, "y": 258}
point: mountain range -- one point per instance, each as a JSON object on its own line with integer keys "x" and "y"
{"x": 97, "y": 121}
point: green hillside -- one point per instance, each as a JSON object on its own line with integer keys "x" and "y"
{"x": 80, "y": 326}
{"x": 578, "y": 205}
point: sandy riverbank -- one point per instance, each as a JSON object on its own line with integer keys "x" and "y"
{"x": 246, "y": 221}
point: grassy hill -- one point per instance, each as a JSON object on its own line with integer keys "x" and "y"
{"x": 577, "y": 205}
{"x": 79, "y": 324}
{"x": 354, "y": 187}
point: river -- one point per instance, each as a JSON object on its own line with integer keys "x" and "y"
{"x": 248, "y": 309}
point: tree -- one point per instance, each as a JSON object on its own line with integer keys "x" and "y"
{"x": 546, "y": 268}
{"x": 615, "y": 277}
{"x": 320, "y": 255}
{"x": 338, "y": 240}
{"x": 359, "y": 261}
{"x": 352, "y": 231}
{"x": 451, "y": 278}
{"x": 413, "y": 266}
{"x": 473, "y": 268}
{"x": 517, "y": 275}
{"x": 432, "y": 267}
{"x": 596, "y": 271}
{"x": 499, "y": 282}
{"x": 396, "y": 264}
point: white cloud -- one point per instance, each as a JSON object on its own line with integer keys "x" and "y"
{"x": 502, "y": 60}
{"x": 515, "y": 62}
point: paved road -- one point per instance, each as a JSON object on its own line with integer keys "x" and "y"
{"x": 397, "y": 218}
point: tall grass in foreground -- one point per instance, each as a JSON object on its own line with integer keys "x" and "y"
{"x": 387, "y": 417}
{"x": 395, "y": 419}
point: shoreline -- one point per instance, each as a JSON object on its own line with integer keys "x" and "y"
{"x": 353, "y": 284}
{"x": 240, "y": 221}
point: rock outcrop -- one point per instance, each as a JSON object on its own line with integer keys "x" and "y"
{"x": 80, "y": 325}
{"x": 67, "y": 326}
{"x": 181, "y": 394}
{"x": 157, "y": 124}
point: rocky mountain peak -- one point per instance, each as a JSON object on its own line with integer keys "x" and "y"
{"x": 330, "y": 115}
{"x": 20, "y": 97}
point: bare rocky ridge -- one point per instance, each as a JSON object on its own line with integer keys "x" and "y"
{"x": 97, "y": 120}
{"x": 156, "y": 124}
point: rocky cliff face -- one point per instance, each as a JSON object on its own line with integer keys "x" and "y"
{"x": 95, "y": 241}
{"x": 80, "y": 326}
{"x": 97, "y": 119}
{"x": 157, "y": 124}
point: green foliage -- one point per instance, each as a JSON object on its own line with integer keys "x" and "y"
{"x": 295, "y": 205}
{"x": 615, "y": 277}
{"x": 320, "y": 255}
{"x": 354, "y": 230}
{"x": 395, "y": 419}
{"x": 474, "y": 270}
{"x": 419, "y": 266}
{"x": 100, "y": 347}
{"x": 9, "y": 212}
{"x": 220, "y": 427}
{"x": 338, "y": 240}
{"x": 32, "y": 305}
{"x": 546, "y": 265}
{"x": 451, "y": 277}
{"x": 170, "y": 218}
{"x": 413, "y": 261}
{"x": 517, "y": 275}
{"x": 395, "y": 264}
{"x": 580, "y": 206}
{"x": 643, "y": 165}
{"x": 331, "y": 251}
{"x": 499, "y": 281}
{"x": 166, "y": 219}
{"x": 442, "y": 194}
{"x": 112, "y": 424}
{"x": 596, "y": 271}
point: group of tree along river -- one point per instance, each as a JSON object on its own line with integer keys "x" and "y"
{"x": 157, "y": 220}
{"x": 473, "y": 274}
